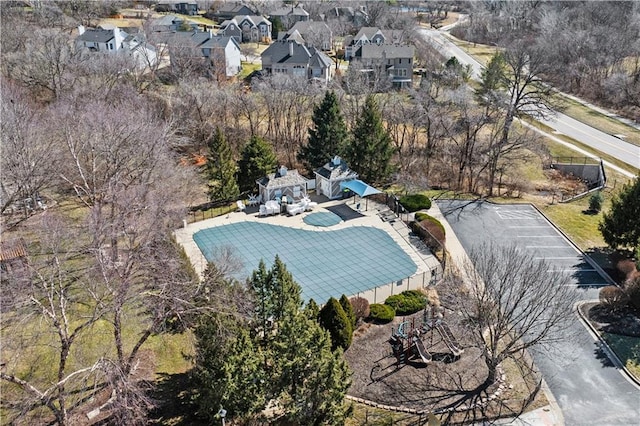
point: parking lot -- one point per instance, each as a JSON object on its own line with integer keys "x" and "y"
{"x": 588, "y": 387}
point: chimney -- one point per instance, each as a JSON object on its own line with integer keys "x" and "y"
{"x": 80, "y": 29}
{"x": 283, "y": 171}
{"x": 337, "y": 160}
{"x": 291, "y": 48}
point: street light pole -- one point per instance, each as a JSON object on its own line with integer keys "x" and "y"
{"x": 222, "y": 413}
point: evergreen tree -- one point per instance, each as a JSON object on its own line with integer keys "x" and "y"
{"x": 228, "y": 371}
{"x": 348, "y": 310}
{"x": 221, "y": 169}
{"x": 620, "y": 226}
{"x": 370, "y": 151}
{"x": 493, "y": 81}
{"x": 312, "y": 310}
{"x": 311, "y": 377}
{"x": 257, "y": 160}
{"x": 335, "y": 321}
{"x": 241, "y": 369}
{"x": 327, "y": 136}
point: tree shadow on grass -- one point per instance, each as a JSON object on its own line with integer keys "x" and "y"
{"x": 174, "y": 404}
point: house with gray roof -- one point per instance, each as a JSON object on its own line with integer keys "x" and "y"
{"x": 394, "y": 61}
{"x": 331, "y": 175}
{"x": 171, "y": 23}
{"x": 283, "y": 182}
{"x": 314, "y": 33}
{"x": 289, "y": 15}
{"x": 215, "y": 50}
{"x": 183, "y": 7}
{"x": 114, "y": 40}
{"x": 229, "y": 10}
{"x": 371, "y": 35}
{"x": 247, "y": 28}
{"x": 296, "y": 59}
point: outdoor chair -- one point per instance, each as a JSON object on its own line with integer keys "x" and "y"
{"x": 240, "y": 205}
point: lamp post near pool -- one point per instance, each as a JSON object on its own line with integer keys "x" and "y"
{"x": 222, "y": 413}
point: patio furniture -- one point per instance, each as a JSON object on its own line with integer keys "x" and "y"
{"x": 294, "y": 209}
{"x": 253, "y": 200}
{"x": 272, "y": 207}
{"x": 240, "y": 205}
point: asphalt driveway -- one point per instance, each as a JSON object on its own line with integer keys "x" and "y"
{"x": 588, "y": 387}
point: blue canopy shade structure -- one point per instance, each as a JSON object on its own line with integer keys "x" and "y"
{"x": 359, "y": 187}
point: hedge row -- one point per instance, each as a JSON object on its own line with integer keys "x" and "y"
{"x": 432, "y": 225}
{"x": 407, "y": 303}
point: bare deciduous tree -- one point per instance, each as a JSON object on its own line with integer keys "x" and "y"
{"x": 29, "y": 159}
{"x": 517, "y": 302}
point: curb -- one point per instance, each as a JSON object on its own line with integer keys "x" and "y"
{"x": 610, "y": 352}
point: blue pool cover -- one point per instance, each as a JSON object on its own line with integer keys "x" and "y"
{"x": 324, "y": 263}
{"x": 322, "y": 219}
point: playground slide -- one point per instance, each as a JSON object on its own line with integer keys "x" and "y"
{"x": 424, "y": 354}
{"x": 448, "y": 338}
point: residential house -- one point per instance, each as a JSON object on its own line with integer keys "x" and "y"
{"x": 115, "y": 40}
{"x": 247, "y": 28}
{"x": 172, "y": 23}
{"x": 229, "y": 10}
{"x": 371, "y": 35}
{"x": 293, "y": 58}
{"x": 289, "y": 15}
{"x": 218, "y": 49}
{"x": 331, "y": 175}
{"x": 282, "y": 183}
{"x": 314, "y": 33}
{"x": 354, "y": 16}
{"x": 393, "y": 60}
{"x": 214, "y": 49}
{"x": 183, "y": 7}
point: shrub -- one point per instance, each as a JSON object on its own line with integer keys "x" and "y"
{"x": 415, "y": 202}
{"x": 335, "y": 321}
{"x": 360, "y": 307}
{"x": 381, "y": 314}
{"x": 613, "y": 297}
{"x": 348, "y": 310}
{"x": 432, "y": 225}
{"x": 632, "y": 289}
{"x": 408, "y": 302}
{"x": 595, "y": 202}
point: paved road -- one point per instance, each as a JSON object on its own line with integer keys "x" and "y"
{"x": 588, "y": 387}
{"x": 560, "y": 123}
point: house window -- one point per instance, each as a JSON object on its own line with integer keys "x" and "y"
{"x": 299, "y": 70}
{"x": 110, "y": 46}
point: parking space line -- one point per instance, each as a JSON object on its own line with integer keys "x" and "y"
{"x": 547, "y": 247}
{"x": 529, "y": 226}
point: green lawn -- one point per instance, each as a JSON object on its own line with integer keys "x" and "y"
{"x": 627, "y": 349}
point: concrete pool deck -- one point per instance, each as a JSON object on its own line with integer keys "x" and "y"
{"x": 399, "y": 232}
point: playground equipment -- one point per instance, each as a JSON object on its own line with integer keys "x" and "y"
{"x": 406, "y": 342}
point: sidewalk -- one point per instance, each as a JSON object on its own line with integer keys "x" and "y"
{"x": 549, "y": 415}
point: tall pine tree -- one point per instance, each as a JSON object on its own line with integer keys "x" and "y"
{"x": 327, "y": 136}
{"x": 257, "y": 160}
{"x": 221, "y": 169}
{"x": 620, "y": 226}
{"x": 370, "y": 150}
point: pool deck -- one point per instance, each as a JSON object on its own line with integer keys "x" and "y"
{"x": 397, "y": 230}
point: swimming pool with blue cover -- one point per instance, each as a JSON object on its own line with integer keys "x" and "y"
{"x": 324, "y": 263}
